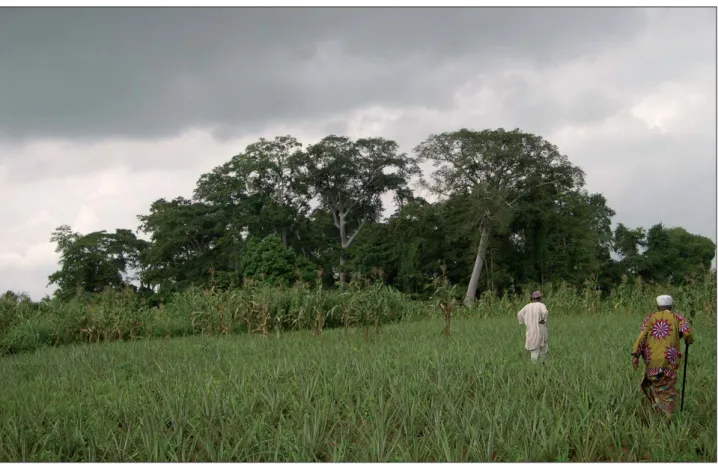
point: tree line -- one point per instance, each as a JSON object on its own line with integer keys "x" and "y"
{"x": 507, "y": 210}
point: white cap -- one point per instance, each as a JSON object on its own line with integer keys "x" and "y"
{"x": 664, "y": 300}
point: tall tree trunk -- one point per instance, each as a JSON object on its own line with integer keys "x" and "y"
{"x": 492, "y": 272}
{"x": 346, "y": 242}
{"x": 285, "y": 234}
{"x": 342, "y": 263}
{"x": 478, "y": 266}
{"x": 342, "y": 252}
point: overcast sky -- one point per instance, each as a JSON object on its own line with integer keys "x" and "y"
{"x": 102, "y": 111}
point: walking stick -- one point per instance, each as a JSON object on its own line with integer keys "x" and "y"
{"x": 685, "y": 368}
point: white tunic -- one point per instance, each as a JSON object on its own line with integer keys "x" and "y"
{"x": 536, "y": 334}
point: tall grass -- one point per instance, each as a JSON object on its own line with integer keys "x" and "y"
{"x": 404, "y": 394}
{"x": 260, "y": 309}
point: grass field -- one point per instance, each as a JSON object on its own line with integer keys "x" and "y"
{"x": 405, "y": 394}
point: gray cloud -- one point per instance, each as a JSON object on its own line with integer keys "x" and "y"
{"x": 155, "y": 72}
{"x": 664, "y": 178}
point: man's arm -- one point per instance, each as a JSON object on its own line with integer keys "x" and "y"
{"x": 520, "y": 316}
{"x": 543, "y": 318}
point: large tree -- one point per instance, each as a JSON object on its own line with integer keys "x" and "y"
{"x": 495, "y": 168}
{"x": 186, "y": 244}
{"x": 565, "y": 237}
{"x": 260, "y": 188}
{"x": 269, "y": 260}
{"x": 410, "y": 248}
{"x": 661, "y": 254}
{"x": 95, "y": 261}
{"x": 674, "y": 254}
{"x": 349, "y": 178}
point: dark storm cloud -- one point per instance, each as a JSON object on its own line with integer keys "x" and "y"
{"x": 146, "y": 73}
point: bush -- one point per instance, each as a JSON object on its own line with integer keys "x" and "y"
{"x": 262, "y": 308}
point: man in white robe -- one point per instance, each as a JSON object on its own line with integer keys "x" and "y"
{"x": 535, "y": 316}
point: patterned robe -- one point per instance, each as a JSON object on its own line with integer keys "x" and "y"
{"x": 659, "y": 344}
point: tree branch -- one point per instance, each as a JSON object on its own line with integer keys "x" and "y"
{"x": 520, "y": 195}
{"x": 362, "y": 190}
{"x": 354, "y": 235}
{"x": 336, "y": 218}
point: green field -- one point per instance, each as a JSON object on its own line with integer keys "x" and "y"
{"x": 404, "y": 394}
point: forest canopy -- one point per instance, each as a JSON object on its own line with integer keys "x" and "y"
{"x": 507, "y": 210}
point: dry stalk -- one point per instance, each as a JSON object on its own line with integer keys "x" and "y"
{"x": 367, "y": 321}
{"x": 265, "y": 318}
{"x": 446, "y": 309}
{"x": 223, "y": 328}
{"x": 445, "y": 293}
{"x": 233, "y": 319}
{"x": 318, "y": 280}
{"x": 319, "y": 324}
{"x": 247, "y": 316}
{"x": 278, "y": 326}
{"x": 345, "y": 317}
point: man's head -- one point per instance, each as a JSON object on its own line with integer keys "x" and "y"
{"x": 536, "y": 296}
{"x": 664, "y": 302}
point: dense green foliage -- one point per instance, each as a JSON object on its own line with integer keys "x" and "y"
{"x": 263, "y": 308}
{"x": 90, "y": 263}
{"x": 268, "y": 260}
{"x": 405, "y": 394}
{"x": 512, "y": 211}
